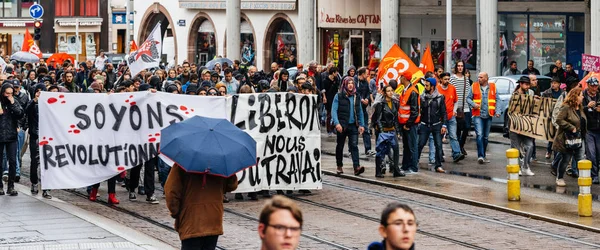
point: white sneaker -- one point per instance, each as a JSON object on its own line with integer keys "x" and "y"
{"x": 480, "y": 160}
{"x": 528, "y": 172}
{"x": 561, "y": 183}
{"x": 520, "y": 173}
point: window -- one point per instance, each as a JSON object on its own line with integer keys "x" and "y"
{"x": 65, "y": 7}
{"x": 15, "y": 8}
{"x": 88, "y": 8}
{"x": 547, "y": 41}
{"x": 513, "y": 41}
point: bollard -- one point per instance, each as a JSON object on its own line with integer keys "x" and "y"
{"x": 514, "y": 184}
{"x": 585, "y": 184}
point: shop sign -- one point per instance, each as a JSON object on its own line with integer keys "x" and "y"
{"x": 360, "y": 19}
{"x": 181, "y": 22}
{"x": 590, "y": 63}
{"x": 349, "y": 14}
{"x": 13, "y": 24}
{"x": 119, "y": 18}
{"x": 82, "y": 22}
{"x": 244, "y": 5}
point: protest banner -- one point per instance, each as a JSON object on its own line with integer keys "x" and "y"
{"x": 590, "y": 63}
{"x": 286, "y": 128}
{"x": 88, "y": 138}
{"x": 532, "y": 116}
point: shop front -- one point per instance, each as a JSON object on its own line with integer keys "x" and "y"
{"x": 350, "y": 33}
{"x": 11, "y": 35}
{"x": 543, "y": 38}
{"x": 86, "y": 44}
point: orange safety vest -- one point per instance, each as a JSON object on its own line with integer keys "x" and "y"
{"x": 404, "y": 110}
{"x": 477, "y": 98}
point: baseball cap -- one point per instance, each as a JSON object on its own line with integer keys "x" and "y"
{"x": 592, "y": 81}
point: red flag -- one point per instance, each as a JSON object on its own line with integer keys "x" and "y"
{"x": 427, "y": 61}
{"x": 29, "y": 45}
{"x": 280, "y": 44}
{"x": 395, "y": 64}
{"x": 133, "y": 46}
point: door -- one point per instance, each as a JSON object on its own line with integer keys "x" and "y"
{"x": 120, "y": 41}
{"x": 575, "y": 41}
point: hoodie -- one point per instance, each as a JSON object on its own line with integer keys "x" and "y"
{"x": 381, "y": 246}
{"x": 12, "y": 112}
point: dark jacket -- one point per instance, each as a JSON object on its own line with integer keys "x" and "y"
{"x": 433, "y": 109}
{"x": 23, "y": 99}
{"x": 32, "y": 113}
{"x": 72, "y": 87}
{"x": 534, "y": 71}
{"x": 196, "y": 202}
{"x": 381, "y": 246}
{"x": 548, "y": 93}
{"x": 560, "y": 73}
{"x": 571, "y": 73}
{"x": 385, "y": 117}
{"x": 593, "y": 116}
{"x": 331, "y": 88}
{"x": 111, "y": 78}
{"x": 567, "y": 120}
{"x": 9, "y": 118}
{"x": 363, "y": 90}
{"x": 343, "y": 111}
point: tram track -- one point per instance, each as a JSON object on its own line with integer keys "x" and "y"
{"x": 437, "y": 208}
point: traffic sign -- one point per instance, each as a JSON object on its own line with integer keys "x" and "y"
{"x": 36, "y": 11}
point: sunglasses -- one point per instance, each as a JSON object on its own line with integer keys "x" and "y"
{"x": 212, "y": 93}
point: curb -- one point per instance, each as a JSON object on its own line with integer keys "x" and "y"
{"x": 464, "y": 201}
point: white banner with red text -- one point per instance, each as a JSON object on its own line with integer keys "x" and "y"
{"x": 88, "y": 138}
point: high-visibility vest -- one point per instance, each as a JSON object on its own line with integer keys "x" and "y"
{"x": 404, "y": 110}
{"x": 477, "y": 99}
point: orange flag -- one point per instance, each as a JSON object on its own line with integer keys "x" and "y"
{"x": 29, "y": 45}
{"x": 395, "y": 64}
{"x": 427, "y": 61}
{"x": 133, "y": 46}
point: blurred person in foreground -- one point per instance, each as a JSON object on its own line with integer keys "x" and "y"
{"x": 398, "y": 227}
{"x": 280, "y": 224}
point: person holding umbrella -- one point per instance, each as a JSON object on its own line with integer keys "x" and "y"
{"x": 206, "y": 154}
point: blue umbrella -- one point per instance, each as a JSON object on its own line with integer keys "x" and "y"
{"x": 211, "y": 64}
{"x": 208, "y": 145}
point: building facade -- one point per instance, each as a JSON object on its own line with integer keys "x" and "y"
{"x": 14, "y": 19}
{"x": 358, "y": 33}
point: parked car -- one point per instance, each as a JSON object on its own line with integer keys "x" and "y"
{"x": 505, "y": 85}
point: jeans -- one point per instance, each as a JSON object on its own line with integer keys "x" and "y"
{"x": 134, "y": 175}
{"x": 482, "y": 129}
{"x": 424, "y": 133}
{"x": 11, "y": 155}
{"x": 410, "y": 157}
{"x": 352, "y": 133}
{"x": 592, "y": 150}
{"x": 525, "y": 146}
{"x": 20, "y": 142}
{"x": 200, "y": 243}
{"x": 567, "y": 158}
{"x": 432, "y": 148}
{"x": 163, "y": 172}
{"x": 34, "y": 155}
{"x": 366, "y": 135}
{"x": 549, "y": 149}
{"x": 452, "y": 126}
{"x": 380, "y": 156}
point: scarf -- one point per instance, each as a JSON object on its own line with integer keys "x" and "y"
{"x": 344, "y": 87}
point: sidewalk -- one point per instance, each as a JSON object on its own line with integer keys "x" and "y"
{"x": 36, "y": 223}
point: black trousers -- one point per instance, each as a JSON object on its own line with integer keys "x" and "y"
{"x": 11, "y": 151}
{"x": 134, "y": 176}
{"x": 34, "y": 155}
{"x": 112, "y": 182}
{"x": 200, "y": 243}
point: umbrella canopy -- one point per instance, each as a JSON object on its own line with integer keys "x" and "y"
{"x": 23, "y": 56}
{"x": 59, "y": 58}
{"x": 208, "y": 145}
{"x": 211, "y": 64}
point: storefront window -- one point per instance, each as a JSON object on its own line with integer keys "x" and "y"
{"x": 64, "y": 7}
{"x": 284, "y": 45}
{"x": 372, "y": 49}
{"x": 247, "y": 43}
{"x": 412, "y": 48}
{"x": 205, "y": 43}
{"x": 513, "y": 41}
{"x": 547, "y": 40}
{"x": 88, "y": 8}
{"x": 333, "y": 46}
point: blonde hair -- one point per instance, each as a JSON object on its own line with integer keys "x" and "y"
{"x": 571, "y": 98}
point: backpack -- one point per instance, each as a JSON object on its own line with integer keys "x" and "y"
{"x": 556, "y": 108}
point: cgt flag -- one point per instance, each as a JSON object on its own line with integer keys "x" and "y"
{"x": 427, "y": 61}
{"x": 395, "y": 64}
{"x": 148, "y": 54}
{"x": 132, "y": 47}
{"x": 30, "y": 46}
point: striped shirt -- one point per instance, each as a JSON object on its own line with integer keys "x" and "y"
{"x": 459, "y": 83}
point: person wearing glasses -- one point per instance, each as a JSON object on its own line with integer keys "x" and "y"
{"x": 280, "y": 224}
{"x": 398, "y": 227}
{"x": 212, "y": 92}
